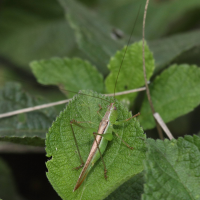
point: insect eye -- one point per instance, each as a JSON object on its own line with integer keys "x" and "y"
{"x": 115, "y": 108}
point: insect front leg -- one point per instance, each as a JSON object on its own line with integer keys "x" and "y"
{"x": 126, "y": 120}
{"x": 98, "y": 112}
{"x": 120, "y": 123}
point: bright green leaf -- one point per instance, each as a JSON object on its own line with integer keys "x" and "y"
{"x": 167, "y": 49}
{"x": 174, "y": 93}
{"x": 173, "y": 169}
{"x": 131, "y": 73}
{"x": 27, "y": 128}
{"x": 70, "y": 74}
{"x": 121, "y": 162}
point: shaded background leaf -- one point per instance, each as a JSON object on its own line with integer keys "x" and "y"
{"x": 93, "y": 38}
{"x": 177, "y": 16}
{"x": 168, "y": 49}
{"x": 32, "y": 30}
{"x": 27, "y": 128}
{"x": 131, "y": 189}
{"x": 8, "y": 188}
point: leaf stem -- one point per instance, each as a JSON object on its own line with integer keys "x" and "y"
{"x": 144, "y": 72}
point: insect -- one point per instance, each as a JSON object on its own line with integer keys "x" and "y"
{"x": 101, "y": 138}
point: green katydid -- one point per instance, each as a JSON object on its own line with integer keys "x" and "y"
{"x": 103, "y": 135}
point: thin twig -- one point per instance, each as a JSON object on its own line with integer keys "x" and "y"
{"x": 25, "y": 110}
{"x": 144, "y": 72}
{"x": 163, "y": 125}
{"x": 126, "y": 92}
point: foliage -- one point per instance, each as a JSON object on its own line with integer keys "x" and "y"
{"x": 172, "y": 169}
{"x": 76, "y": 45}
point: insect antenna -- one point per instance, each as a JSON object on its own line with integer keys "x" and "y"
{"x": 129, "y": 40}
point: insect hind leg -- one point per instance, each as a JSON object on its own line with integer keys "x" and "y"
{"x": 82, "y": 162}
{"x": 74, "y": 122}
{"x": 104, "y": 165}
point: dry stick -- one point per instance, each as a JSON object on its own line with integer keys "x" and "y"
{"x": 25, "y": 110}
{"x": 126, "y": 92}
{"x": 144, "y": 72}
{"x": 163, "y": 125}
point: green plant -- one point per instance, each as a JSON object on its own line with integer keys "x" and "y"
{"x": 170, "y": 167}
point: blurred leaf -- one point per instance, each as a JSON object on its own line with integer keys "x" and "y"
{"x": 30, "y": 84}
{"x": 32, "y": 30}
{"x": 162, "y": 16}
{"x": 7, "y": 186}
{"x": 190, "y": 57}
{"x": 131, "y": 72}
{"x": 27, "y": 128}
{"x": 174, "y": 93}
{"x": 70, "y": 74}
{"x": 122, "y": 14}
{"x": 122, "y": 163}
{"x": 93, "y": 35}
{"x": 131, "y": 189}
{"x": 173, "y": 169}
{"x": 167, "y": 49}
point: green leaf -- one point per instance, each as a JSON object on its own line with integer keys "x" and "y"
{"x": 173, "y": 169}
{"x": 131, "y": 189}
{"x": 93, "y": 35}
{"x": 121, "y": 162}
{"x": 131, "y": 72}
{"x": 7, "y": 185}
{"x": 167, "y": 49}
{"x": 158, "y": 22}
{"x": 27, "y": 128}
{"x": 70, "y": 74}
{"x": 32, "y": 30}
{"x": 174, "y": 93}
